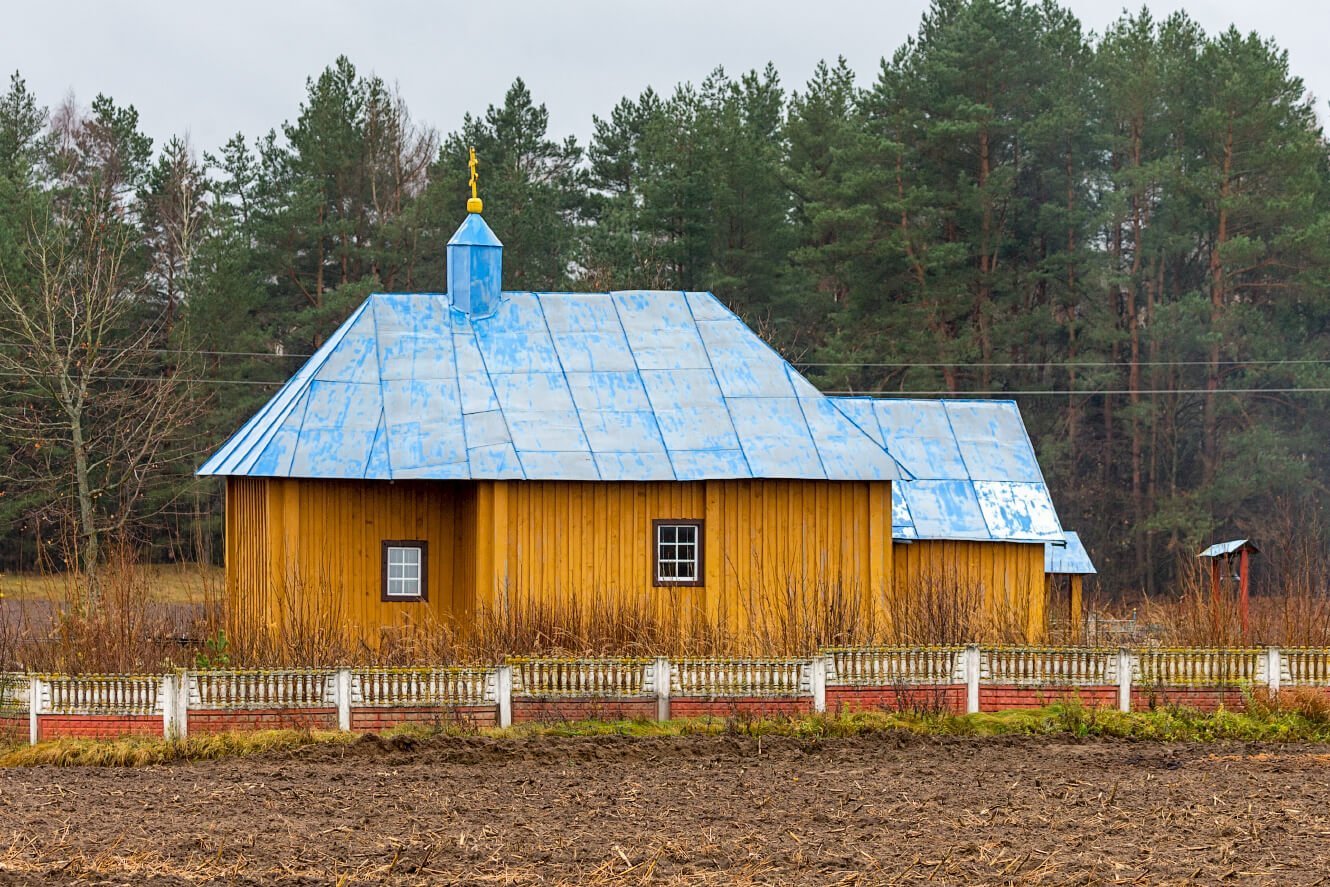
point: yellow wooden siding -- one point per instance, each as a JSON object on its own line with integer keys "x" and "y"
{"x": 320, "y": 545}
{"x": 306, "y": 555}
{"x": 768, "y": 544}
{"x": 248, "y": 571}
{"x": 1010, "y": 575}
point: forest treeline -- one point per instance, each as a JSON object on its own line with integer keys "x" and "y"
{"x": 1129, "y": 234}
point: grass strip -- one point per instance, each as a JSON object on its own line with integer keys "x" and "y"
{"x": 1068, "y": 720}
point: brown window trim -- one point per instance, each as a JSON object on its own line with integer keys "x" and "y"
{"x": 424, "y": 571}
{"x": 655, "y": 553}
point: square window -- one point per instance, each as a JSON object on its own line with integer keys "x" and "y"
{"x": 677, "y": 552}
{"x": 404, "y": 570}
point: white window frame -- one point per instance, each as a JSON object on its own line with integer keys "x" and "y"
{"x": 670, "y": 546}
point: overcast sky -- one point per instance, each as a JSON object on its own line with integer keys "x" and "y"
{"x": 211, "y": 70}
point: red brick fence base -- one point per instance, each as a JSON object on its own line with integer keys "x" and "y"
{"x": 937, "y": 680}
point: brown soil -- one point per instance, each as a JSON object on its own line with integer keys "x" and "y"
{"x": 693, "y": 810}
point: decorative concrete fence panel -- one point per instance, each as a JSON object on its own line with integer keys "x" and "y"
{"x": 1198, "y": 677}
{"x": 262, "y": 689}
{"x": 96, "y": 706}
{"x": 389, "y": 687}
{"x": 267, "y": 699}
{"x": 386, "y": 697}
{"x": 1032, "y": 677}
{"x": 1304, "y": 668}
{"x": 1049, "y": 666}
{"x": 1200, "y": 667}
{"x": 895, "y": 666}
{"x": 918, "y": 679}
{"x": 582, "y": 689}
{"x": 725, "y": 687}
{"x": 580, "y": 678}
{"x": 14, "y": 716}
{"x": 102, "y": 695}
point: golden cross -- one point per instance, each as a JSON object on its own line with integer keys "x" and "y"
{"x": 474, "y": 205}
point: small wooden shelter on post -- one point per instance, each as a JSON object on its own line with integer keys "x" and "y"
{"x": 1221, "y": 556}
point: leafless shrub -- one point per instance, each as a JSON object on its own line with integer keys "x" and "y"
{"x": 132, "y": 627}
{"x": 307, "y": 626}
{"x": 802, "y": 614}
{"x": 936, "y": 608}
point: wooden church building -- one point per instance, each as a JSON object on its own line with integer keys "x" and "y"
{"x": 441, "y": 453}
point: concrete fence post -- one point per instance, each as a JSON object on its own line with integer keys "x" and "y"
{"x": 1274, "y": 663}
{"x": 342, "y": 690}
{"x": 181, "y": 702}
{"x": 660, "y": 676}
{"x": 1126, "y": 661}
{"x": 817, "y": 677}
{"x": 166, "y": 698}
{"x": 35, "y": 692}
{"x": 504, "y": 686}
{"x": 973, "y": 665}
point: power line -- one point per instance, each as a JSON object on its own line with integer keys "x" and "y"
{"x": 180, "y": 351}
{"x": 1066, "y": 392}
{"x": 1092, "y": 364}
{"x": 1060, "y": 392}
{"x": 18, "y": 375}
{"x": 1048, "y": 364}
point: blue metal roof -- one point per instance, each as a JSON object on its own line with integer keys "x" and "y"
{"x": 1070, "y": 559}
{"x": 968, "y": 469}
{"x": 1220, "y": 549}
{"x": 627, "y": 386}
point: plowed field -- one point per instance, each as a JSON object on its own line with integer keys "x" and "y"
{"x": 692, "y": 810}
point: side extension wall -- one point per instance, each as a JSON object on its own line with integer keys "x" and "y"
{"x": 1010, "y": 575}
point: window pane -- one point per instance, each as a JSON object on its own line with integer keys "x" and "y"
{"x": 403, "y": 588}
{"x": 687, "y": 534}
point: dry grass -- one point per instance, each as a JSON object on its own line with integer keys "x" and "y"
{"x": 135, "y": 622}
{"x": 189, "y": 584}
{"x": 1294, "y": 613}
{"x": 944, "y": 607}
{"x": 145, "y": 751}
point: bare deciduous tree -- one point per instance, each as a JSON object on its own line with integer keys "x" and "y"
{"x": 94, "y": 412}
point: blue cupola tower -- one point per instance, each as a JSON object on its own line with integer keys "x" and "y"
{"x": 475, "y": 260}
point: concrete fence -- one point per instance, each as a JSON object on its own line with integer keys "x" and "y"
{"x": 936, "y": 679}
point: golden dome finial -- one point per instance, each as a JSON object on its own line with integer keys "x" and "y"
{"x": 474, "y": 204}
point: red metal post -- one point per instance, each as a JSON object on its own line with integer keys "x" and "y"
{"x": 1242, "y": 591}
{"x": 1214, "y": 598}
